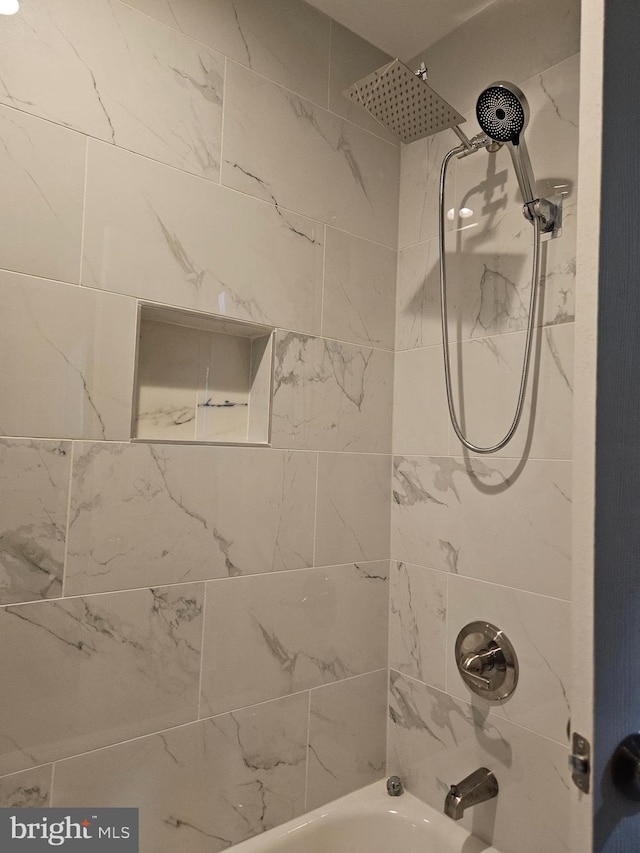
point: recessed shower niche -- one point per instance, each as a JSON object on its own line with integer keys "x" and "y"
{"x": 201, "y": 378}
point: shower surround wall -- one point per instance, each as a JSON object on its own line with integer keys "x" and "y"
{"x": 199, "y": 631}
{"x": 485, "y": 538}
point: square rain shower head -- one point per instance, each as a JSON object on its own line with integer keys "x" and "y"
{"x": 403, "y": 102}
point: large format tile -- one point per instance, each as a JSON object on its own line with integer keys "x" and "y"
{"x": 148, "y": 514}
{"x": 85, "y": 672}
{"x": 160, "y": 234}
{"x": 489, "y": 269}
{"x": 489, "y": 370}
{"x": 419, "y": 182}
{"x": 347, "y": 736}
{"x": 493, "y": 519}
{"x": 417, "y": 623}
{"x": 284, "y": 149}
{"x": 270, "y": 636}
{"x": 74, "y": 64}
{"x": 34, "y": 491}
{"x": 354, "y": 498}
{"x": 435, "y": 741}
{"x": 420, "y": 416}
{"x": 331, "y": 396}
{"x": 284, "y": 40}
{"x": 42, "y": 173}
{"x": 359, "y": 290}
{"x": 28, "y": 789}
{"x": 539, "y": 630}
{"x": 418, "y": 296}
{"x": 66, "y": 357}
{"x": 200, "y": 787}
{"x": 489, "y": 273}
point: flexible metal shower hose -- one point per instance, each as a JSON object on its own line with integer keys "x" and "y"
{"x": 474, "y": 448}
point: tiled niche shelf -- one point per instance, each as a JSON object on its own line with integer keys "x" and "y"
{"x": 201, "y": 378}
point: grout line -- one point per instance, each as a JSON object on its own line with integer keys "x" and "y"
{"x": 324, "y": 279}
{"x": 51, "y": 783}
{"x": 161, "y": 585}
{"x": 84, "y": 208}
{"x": 315, "y": 514}
{"x": 68, "y": 523}
{"x": 497, "y": 717}
{"x": 306, "y": 771}
{"x": 204, "y": 622}
{"x": 223, "y": 120}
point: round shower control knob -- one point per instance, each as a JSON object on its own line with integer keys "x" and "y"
{"x": 486, "y": 661}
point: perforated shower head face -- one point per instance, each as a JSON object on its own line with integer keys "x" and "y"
{"x": 502, "y": 112}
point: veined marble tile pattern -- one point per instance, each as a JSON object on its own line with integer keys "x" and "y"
{"x": 331, "y": 395}
{"x": 251, "y": 33}
{"x": 436, "y": 740}
{"x": 347, "y": 730}
{"x": 448, "y": 513}
{"x": 74, "y": 65}
{"x": 417, "y": 623}
{"x": 34, "y": 493}
{"x": 27, "y": 789}
{"x": 204, "y": 786}
{"x": 42, "y": 174}
{"x": 105, "y": 668}
{"x": 352, "y": 520}
{"x": 271, "y": 137}
{"x": 163, "y": 235}
{"x": 143, "y": 515}
{"x": 267, "y": 636}
{"x": 66, "y": 360}
{"x": 539, "y": 629}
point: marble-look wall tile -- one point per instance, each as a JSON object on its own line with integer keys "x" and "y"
{"x": 417, "y": 623}
{"x": 28, "y": 789}
{"x": 493, "y": 519}
{"x": 435, "y": 741}
{"x": 418, "y": 297}
{"x": 74, "y": 64}
{"x": 359, "y": 290}
{"x": 270, "y": 636}
{"x": 347, "y": 737}
{"x": 284, "y": 149}
{"x": 419, "y": 181}
{"x": 160, "y": 234}
{"x": 354, "y": 496}
{"x": 149, "y": 514}
{"x": 86, "y": 672}
{"x": 489, "y": 269}
{"x": 539, "y": 630}
{"x": 201, "y": 787}
{"x": 284, "y": 40}
{"x": 67, "y": 357}
{"x": 420, "y": 416}
{"x": 490, "y": 370}
{"x": 351, "y": 59}
{"x": 331, "y": 396}
{"x": 42, "y": 179}
{"x": 34, "y": 492}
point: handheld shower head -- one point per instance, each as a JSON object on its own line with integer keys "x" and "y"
{"x": 503, "y": 112}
